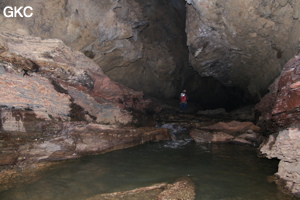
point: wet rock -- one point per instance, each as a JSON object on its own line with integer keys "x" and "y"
{"x": 182, "y": 189}
{"x": 9, "y": 158}
{"x": 82, "y": 139}
{"x": 147, "y": 193}
{"x": 203, "y": 136}
{"x": 232, "y": 127}
{"x": 99, "y": 139}
{"x": 22, "y": 153}
{"x": 45, "y": 115}
{"x": 234, "y": 131}
{"x": 219, "y": 111}
{"x": 280, "y": 108}
{"x": 246, "y": 113}
{"x": 279, "y": 112}
{"x": 284, "y": 146}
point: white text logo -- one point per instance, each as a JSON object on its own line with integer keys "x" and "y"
{"x": 17, "y": 11}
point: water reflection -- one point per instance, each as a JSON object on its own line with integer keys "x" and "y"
{"x": 220, "y": 172}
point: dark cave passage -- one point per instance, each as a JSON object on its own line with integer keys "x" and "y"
{"x": 109, "y": 76}
{"x": 204, "y": 92}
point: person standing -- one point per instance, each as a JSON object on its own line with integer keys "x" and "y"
{"x": 183, "y": 101}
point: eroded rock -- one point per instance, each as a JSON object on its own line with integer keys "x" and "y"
{"x": 23, "y": 153}
{"x": 54, "y": 112}
{"x": 66, "y": 86}
{"x": 242, "y": 43}
{"x": 234, "y": 131}
{"x": 284, "y": 146}
{"x": 279, "y": 113}
{"x": 280, "y": 108}
{"x": 143, "y": 39}
{"x": 182, "y": 189}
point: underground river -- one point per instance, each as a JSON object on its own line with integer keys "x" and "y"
{"x": 219, "y": 171}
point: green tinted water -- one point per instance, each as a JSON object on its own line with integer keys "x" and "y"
{"x": 220, "y": 172}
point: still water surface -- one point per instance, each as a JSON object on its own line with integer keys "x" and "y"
{"x": 220, "y": 172}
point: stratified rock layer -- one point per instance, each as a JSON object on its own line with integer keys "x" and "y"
{"x": 140, "y": 44}
{"x": 62, "y": 84}
{"x": 234, "y": 131}
{"x": 284, "y": 146}
{"x": 54, "y": 111}
{"x": 280, "y": 108}
{"x": 280, "y": 113}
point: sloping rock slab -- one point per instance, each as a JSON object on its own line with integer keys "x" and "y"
{"x": 61, "y": 84}
{"x": 232, "y": 127}
{"x": 78, "y": 140}
{"x": 96, "y": 138}
{"x": 234, "y": 131}
{"x": 182, "y": 189}
{"x": 202, "y": 136}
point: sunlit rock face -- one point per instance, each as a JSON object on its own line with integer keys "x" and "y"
{"x": 242, "y": 43}
{"x": 141, "y": 44}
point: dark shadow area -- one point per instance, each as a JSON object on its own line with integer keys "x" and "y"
{"x": 209, "y": 93}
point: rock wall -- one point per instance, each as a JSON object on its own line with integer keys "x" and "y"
{"x": 140, "y": 44}
{"x": 242, "y": 43}
{"x": 61, "y": 84}
{"x": 53, "y": 100}
{"x": 279, "y": 113}
{"x": 284, "y": 146}
{"x": 280, "y": 108}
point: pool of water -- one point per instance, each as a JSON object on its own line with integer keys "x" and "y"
{"x": 219, "y": 171}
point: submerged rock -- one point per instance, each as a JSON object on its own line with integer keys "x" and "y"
{"x": 182, "y": 189}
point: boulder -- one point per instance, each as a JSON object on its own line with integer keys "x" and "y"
{"x": 284, "y": 146}
{"x": 203, "y": 136}
{"x": 234, "y": 131}
{"x": 232, "y": 127}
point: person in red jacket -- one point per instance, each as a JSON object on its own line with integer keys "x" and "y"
{"x": 183, "y": 101}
